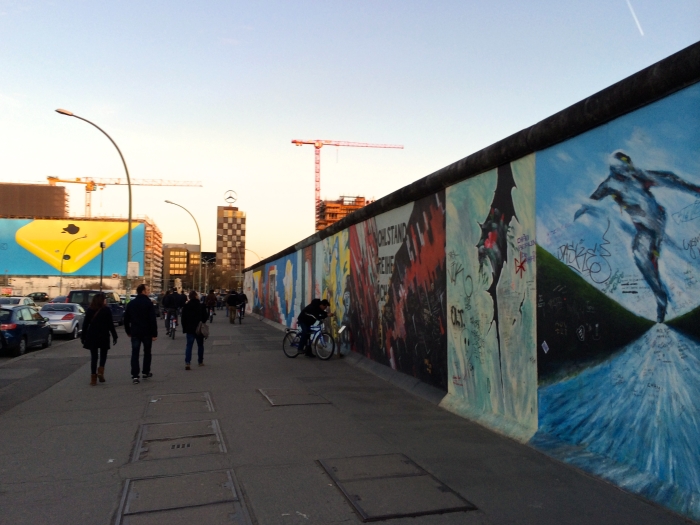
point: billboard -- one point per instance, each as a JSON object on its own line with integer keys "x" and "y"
{"x": 47, "y": 246}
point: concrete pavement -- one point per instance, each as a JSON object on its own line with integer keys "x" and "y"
{"x": 209, "y": 446}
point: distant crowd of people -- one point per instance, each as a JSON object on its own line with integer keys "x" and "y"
{"x": 142, "y": 328}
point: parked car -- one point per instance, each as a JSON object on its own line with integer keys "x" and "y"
{"x": 64, "y": 318}
{"x": 22, "y": 327}
{"x": 84, "y": 298}
{"x": 17, "y": 300}
{"x": 39, "y": 297}
{"x": 59, "y": 299}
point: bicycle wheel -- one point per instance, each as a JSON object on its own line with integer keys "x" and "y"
{"x": 290, "y": 344}
{"x": 324, "y": 345}
{"x": 173, "y": 329}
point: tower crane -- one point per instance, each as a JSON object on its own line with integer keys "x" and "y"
{"x": 91, "y": 184}
{"x": 318, "y": 144}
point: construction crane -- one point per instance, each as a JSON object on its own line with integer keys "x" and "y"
{"x": 318, "y": 144}
{"x": 91, "y": 184}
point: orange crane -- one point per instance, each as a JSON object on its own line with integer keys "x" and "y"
{"x": 91, "y": 184}
{"x": 318, "y": 144}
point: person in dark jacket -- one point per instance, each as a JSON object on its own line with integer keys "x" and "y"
{"x": 193, "y": 313}
{"x": 141, "y": 326}
{"x": 312, "y": 312}
{"x": 231, "y": 301}
{"x": 182, "y": 299}
{"x": 97, "y": 327}
{"x": 170, "y": 300}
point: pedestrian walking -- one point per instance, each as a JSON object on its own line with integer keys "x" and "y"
{"x": 193, "y": 313}
{"x": 141, "y": 326}
{"x": 231, "y": 303}
{"x": 97, "y": 328}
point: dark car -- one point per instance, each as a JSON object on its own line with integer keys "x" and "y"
{"x": 22, "y": 327}
{"x": 59, "y": 299}
{"x": 84, "y": 298}
{"x": 39, "y": 297}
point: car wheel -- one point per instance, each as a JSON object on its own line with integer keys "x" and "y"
{"x": 49, "y": 340}
{"x": 74, "y": 334}
{"x": 22, "y": 348}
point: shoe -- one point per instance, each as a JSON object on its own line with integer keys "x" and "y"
{"x": 136, "y": 380}
{"x": 101, "y": 374}
{"x": 201, "y": 364}
{"x": 146, "y": 376}
{"x": 93, "y": 379}
{"x": 187, "y": 366}
{"x": 309, "y": 354}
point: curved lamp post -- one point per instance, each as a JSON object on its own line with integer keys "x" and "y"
{"x": 200, "y": 241}
{"x": 63, "y": 258}
{"x": 128, "y": 181}
{"x": 251, "y": 251}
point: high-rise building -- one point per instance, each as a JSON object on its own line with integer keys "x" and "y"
{"x": 33, "y": 200}
{"x": 230, "y": 240}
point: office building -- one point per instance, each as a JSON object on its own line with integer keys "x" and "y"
{"x": 230, "y": 241}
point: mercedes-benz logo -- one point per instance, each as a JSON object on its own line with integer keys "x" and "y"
{"x": 230, "y": 197}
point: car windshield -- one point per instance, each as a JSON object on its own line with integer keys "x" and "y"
{"x": 9, "y": 300}
{"x": 59, "y": 299}
{"x": 5, "y": 316}
{"x": 57, "y": 308}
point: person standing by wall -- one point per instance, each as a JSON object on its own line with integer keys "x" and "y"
{"x": 97, "y": 327}
{"x": 141, "y": 326}
{"x": 193, "y": 313}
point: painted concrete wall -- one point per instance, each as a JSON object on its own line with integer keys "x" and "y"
{"x": 554, "y": 297}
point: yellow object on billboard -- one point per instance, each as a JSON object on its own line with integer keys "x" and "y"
{"x": 48, "y": 239}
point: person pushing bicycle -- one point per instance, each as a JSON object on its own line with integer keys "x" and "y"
{"x": 312, "y": 312}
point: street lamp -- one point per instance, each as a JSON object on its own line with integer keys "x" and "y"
{"x": 63, "y": 258}
{"x": 128, "y": 181}
{"x": 200, "y": 241}
{"x": 103, "y": 245}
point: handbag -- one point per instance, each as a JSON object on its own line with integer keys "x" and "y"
{"x": 203, "y": 329}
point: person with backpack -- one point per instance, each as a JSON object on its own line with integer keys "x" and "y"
{"x": 312, "y": 312}
{"x": 194, "y": 313}
{"x": 97, "y": 328}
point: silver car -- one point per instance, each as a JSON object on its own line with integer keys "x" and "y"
{"x": 64, "y": 318}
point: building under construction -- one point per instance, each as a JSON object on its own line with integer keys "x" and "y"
{"x": 35, "y": 200}
{"x": 332, "y": 211}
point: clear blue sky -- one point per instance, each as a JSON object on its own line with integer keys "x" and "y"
{"x": 215, "y": 91}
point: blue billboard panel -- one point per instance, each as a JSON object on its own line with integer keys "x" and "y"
{"x": 49, "y": 246}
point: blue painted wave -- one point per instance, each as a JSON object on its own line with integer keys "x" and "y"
{"x": 633, "y": 419}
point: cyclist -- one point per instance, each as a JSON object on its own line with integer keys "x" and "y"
{"x": 170, "y": 308}
{"x": 210, "y": 303}
{"x": 242, "y": 301}
{"x": 312, "y": 312}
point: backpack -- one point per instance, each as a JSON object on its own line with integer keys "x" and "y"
{"x": 203, "y": 329}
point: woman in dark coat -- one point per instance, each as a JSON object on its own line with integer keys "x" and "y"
{"x": 97, "y": 328}
{"x": 193, "y": 313}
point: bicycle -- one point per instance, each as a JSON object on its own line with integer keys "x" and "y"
{"x": 321, "y": 341}
{"x": 172, "y": 324}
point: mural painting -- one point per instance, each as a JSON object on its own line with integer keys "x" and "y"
{"x": 336, "y": 272}
{"x": 248, "y": 290}
{"x": 255, "y": 299}
{"x": 491, "y": 299}
{"x": 280, "y": 290}
{"x": 618, "y": 219}
{"x": 307, "y": 281}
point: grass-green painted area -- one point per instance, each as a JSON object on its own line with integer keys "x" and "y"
{"x": 688, "y": 323}
{"x": 580, "y": 325}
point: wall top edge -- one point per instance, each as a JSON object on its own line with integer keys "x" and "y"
{"x": 657, "y": 81}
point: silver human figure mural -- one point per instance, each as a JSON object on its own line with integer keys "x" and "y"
{"x": 630, "y": 187}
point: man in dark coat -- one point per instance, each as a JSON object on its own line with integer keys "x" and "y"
{"x": 141, "y": 326}
{"x": 312, "y": 312}
{"x": 231, "y": 302}
{"x": 193, "y": 313}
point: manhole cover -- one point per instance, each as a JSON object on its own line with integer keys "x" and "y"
{"x": 392, "y": 486}
{"x": 174, "y": 440}
{"x": 292, "y": 396}
{"x": 203, "y": 497}
{"x": 179, "y": 403}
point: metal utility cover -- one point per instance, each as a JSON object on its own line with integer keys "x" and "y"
{"x": 174, "y": 440}
{"x": 180, "y": 403}
{"x": 392, "y": 486}
{"x": 292, "y": 396}
{"x": 203, "y": 497}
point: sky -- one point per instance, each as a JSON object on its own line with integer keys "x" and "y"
{"x": 215, "y": 92}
